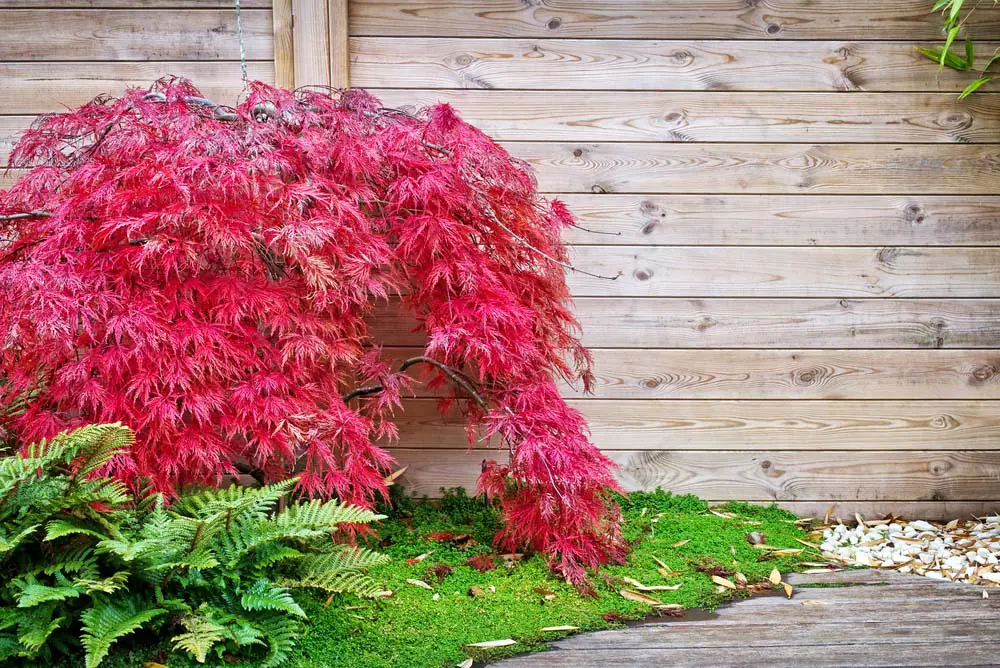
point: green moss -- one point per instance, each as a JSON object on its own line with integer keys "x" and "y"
{"x": 412, "y": 630}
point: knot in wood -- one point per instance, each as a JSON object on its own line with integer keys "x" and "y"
{"x": 554, "y": 23}
{"x": 984, "y": 373}
{"x": 642, "y": 274}
{"x": 955, "y": 120}
{"x": 463, "y": 60}
{"x": 938, "y": 467}
{"x": 943, "y": 422}
{"x": 805, "y": 377}
{"x": 682, "y": 57}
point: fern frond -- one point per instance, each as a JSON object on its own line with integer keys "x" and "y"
{"x": 318, "y": 514}
{"x": 281, "y": 634}
{"x": 342, "y": 558}
{"x": 336, "y": 583}
{"x": 202, "y": 634}
{"x": 106, "y": 622}
{"x": 237, "y": 499}
{"x": 272, "y": 553}
{"x": 9, "y": 543}
{"x": 108, "y": 585}
{"x": 31, "y": 592}
{"x": 36, "y": 625}
{"x": 70, "y": 526}
{"x": 262, "y": 595}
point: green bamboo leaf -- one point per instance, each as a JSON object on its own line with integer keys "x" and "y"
{"x": 940, "y": 4}
{"x": 993, "y": 59}
{"x": 956, "y": 7}
{"x": 969, "y": 52}
{"x": 974, "y": 86}
{"x": 951, "y": 59}
{"x": 952, "y": 34}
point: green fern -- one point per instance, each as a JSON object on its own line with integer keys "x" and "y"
{"x": 216, "y": 567}
{"x": 106, "y": 622}
{"x": 202, "y": 634}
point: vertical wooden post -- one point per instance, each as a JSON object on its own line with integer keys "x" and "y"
{"x": 340, "y": 57}
{"x": 284, "y": 56}
{"x": 310, "y": 43}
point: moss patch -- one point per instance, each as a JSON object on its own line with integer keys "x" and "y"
{"x": 517, "y": 599}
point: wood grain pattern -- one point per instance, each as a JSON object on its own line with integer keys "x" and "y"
{"x": 717, "y": 117}
{"x": 786, "y": 374}
{"x": 133, "y": 4}
{"x": 340, "y": 57}
{"x": 149, "y": 34}
{"x": 642, "y": 19}
{"x": 561, "y": 64}
{"x": 758, "y": 323}
{"x": 311, "y": 42}
{"x": 284, "y": 43}
{"x": 691, "y": 271}
{"x": 819, "y": 475}
{"x": 793, "y": 220}
{"x": 33, "y": 88}
{"x": 748, "y": 424}
{"x": 854, "y": 169}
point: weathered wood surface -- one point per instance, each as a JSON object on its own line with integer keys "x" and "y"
{"x": 132, "y": 4}
{"x": 689, "y": 271}
{"x": 153, "y": 34}
{"x": 774, "y": 475}
{"x": 873, "y": 618}
{"x": 644, "y": 19}
{"x": 786, "y": 374}
{"x": 825, "y": 169}
{"x": 717, "y": 116}
{"x": 568, "y": 64}
{"x": 34, "y": 88}
{"x": 785, "y": 220}
{"x": 747, "y": 424}
{"x": 758, "y": 323}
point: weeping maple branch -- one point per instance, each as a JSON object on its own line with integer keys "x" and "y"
{"x": 455, "y": 376}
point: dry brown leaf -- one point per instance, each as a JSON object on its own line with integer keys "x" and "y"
{"x": 775, "y": 577}
{"x": 385, "y": 593}
{"x": 632, "y": 581}
{"x": 639, "y": 598}
{"x": 475, "y": 591}
{"x": 807, "y": 544}
{"x": 390, "y": 479}
{"x": 861, "y": 521}
{"x": 152, "y": 664}
{"x": 670, "y": 606}
{"x": 417, "y": 559}
{"x": 829, "y": 513}
{"x": 723, "y": 582}
{"x": 728, "y": 516}
{"x": 419, "y": 583}
{"x": 465, "y": 664}
{"x": 660, "y": 588}
{"x": 788, "y": 589}
{"x": 661, "y": 563}
{"x": 681, "y": 543}
{"x": 815, "y": 602}
{"x": 566, "y": 627}
{"x": 506, "y": 642}
{"x": 740, "y": 579}
{"x": 664, "y": 573}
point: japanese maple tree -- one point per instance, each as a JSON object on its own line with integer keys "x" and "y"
{"x": 207, "y": 276}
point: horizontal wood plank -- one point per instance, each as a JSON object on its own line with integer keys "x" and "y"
{"x": 33, "y": 88}
{"x": 717, "y": 117}
{"x": 758, "y": 323}
{"x": 825, "y": 169}
{"x": 567, "y": 64}
{"x": 792, "y": 220}
{"x": 787, "y": 374}
{"x": 691, "y": 271}
{"x": 148, "y": 34}
{"x": 745, "y": 425}
{"x": 818, "y": 475}
{"x": 642, "y": 19}
{"x": 133, "y": 4}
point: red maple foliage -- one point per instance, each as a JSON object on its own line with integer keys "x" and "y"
{"x": 207, "y": 276}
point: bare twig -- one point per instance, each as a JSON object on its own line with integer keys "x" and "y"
{"x": 27, "y": 214}
{"x": 455, "y": 376}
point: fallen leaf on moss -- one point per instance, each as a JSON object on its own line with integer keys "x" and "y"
{"x": 419, "y": 583}
{"x": 559, "y": 628}
{"x": 417, "y": 559}
{"x": 723, "y": 582}
{"x": 465, "y": 664}
{"x": 506, "y": 642}
{"x": 775, "y": 577}
{"x": 681, "y": 543}
{"x": 475, "y": 591}
{"x": 639, "y": 598}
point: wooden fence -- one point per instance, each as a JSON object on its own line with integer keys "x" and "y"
{"x": 807, "y": 219}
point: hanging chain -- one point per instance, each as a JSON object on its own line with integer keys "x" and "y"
{"x": 243, "y": 46}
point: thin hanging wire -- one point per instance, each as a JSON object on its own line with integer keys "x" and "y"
{"x": 243, "y": 46}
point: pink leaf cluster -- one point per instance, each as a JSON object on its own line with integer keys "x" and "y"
{"x": 209, "y": 279}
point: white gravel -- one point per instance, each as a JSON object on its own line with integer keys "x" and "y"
{"x": 957, "y": 551}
